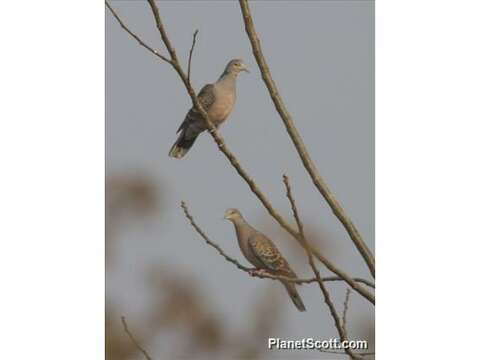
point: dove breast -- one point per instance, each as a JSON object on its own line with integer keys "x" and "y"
{"x": 222, "y": 107}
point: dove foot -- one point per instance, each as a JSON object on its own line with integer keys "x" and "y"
{"x": 257, "y": 272}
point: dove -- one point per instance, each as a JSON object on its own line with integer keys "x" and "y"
{"x": 217, "y": 100}
{"x": 262, "y": 253}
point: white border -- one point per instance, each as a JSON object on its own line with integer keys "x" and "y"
{"x": 427, "y": 96}
{"x": 52, "y": 180}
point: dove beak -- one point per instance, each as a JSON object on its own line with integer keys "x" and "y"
{"x": 245, "y": 68}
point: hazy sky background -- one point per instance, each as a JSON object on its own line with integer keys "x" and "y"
{"x": 321, "y": 55}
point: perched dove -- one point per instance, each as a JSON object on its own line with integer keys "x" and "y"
{"x": 217, "y": 100}
{"x": 262, "y": 253}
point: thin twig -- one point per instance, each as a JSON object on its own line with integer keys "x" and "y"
{"x": 210, "y": 242}
{"x": 236, "y": 164}
{"x": 134, "y": 341}
{"x": 190, "y": 54}
{"x": 356, "y": 279}
{"x": 140, "y": 41}
{"x": 345, "y": 309}
{"x": 323, "y": 288}
{"x": 302, "y": 151}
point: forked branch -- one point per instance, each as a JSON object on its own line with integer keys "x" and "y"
{"x": 326, "y": 295}
{"x": 135, "y": 36}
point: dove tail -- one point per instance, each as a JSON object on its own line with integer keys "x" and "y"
{"x": 293, "y": 293}
{"x": 182, "y": 145}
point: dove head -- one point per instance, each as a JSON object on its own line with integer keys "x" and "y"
{"x": 235, "y": 66}
{"x": 233, "y": 215}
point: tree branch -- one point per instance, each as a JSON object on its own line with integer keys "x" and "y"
{"x": 359, "y": 289}
{"x": 190, "y": 55}
{"x": 210, "y": 242}
{"x": 326, "y": 295}
{"x": 308, "y": 163}
{"x": 140, "y": 41}
{"x": 356, "y": 279}
{"x": 345, "y": 309}
{"x": 161, "y": 29}
{"x": 134, "y": 341}
{"x": 342, "y": 353}
{"x": 236, "y": 164}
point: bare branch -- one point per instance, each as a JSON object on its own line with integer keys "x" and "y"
{"x": 210, "y": 242}
{"x": 140, "y": 41}
{"x": 342, "y": 353}
{"x": 356, "y": 279}
{"x": 236, "y": 164}
{"x": 359, "y": 289}
{"x": 190, "y": 55}
{"x": 326, "y": 295}
{"x": 293, "y": 205}
{"x": 134, "y": 341}
{"x": 308, "y": 247}
{"x": 161, "y": 29}
{"x": 345, "y": 309}
{"x": 302, "y": 151}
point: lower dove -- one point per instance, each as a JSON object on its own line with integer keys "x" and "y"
{"x": 262, "y": 253}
